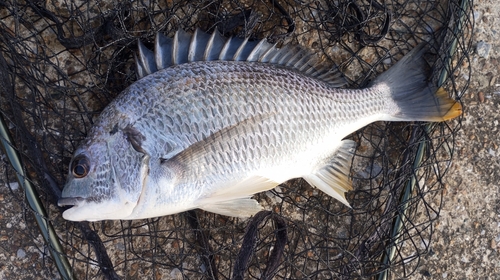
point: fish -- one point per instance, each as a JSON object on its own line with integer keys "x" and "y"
{"x": 211, "y": 121}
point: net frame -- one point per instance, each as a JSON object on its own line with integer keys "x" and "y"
{"x": 62, "y": 62}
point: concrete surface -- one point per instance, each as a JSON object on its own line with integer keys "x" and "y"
{"x": 466, "y": 243}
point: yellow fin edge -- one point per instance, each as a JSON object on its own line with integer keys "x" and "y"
{"x": 452, "y": 107}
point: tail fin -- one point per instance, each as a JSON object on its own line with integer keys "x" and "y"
{"x": 412, "y": 97}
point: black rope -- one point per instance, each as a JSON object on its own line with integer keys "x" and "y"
{"x": 288, "y": 19}
{"x": 105, "y": 263}
{"x": 202, "y": 238}
{"x": 249, "y": 243}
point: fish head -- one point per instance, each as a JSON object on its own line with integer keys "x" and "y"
{"x": 105, "y": 179}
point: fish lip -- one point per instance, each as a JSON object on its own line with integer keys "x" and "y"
{"x": 70, "y": 201}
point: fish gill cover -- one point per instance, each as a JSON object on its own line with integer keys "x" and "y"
{"x": 62, "y": 62}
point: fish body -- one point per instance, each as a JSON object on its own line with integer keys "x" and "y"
{"x": 224, "y": 120}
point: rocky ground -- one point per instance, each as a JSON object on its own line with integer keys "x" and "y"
{"x": 466, "y": 243}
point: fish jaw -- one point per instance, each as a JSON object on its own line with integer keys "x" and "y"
{"x": 88, "y": 210}
{"x": 112, "y": 203}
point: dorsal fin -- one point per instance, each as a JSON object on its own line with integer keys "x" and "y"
{"x": 200, "y": 46}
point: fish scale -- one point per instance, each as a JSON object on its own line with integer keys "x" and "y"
{"x": 196, "y": 132}
{"x": 284, "y": 139}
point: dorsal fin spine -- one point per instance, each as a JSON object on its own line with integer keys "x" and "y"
{"x": 303, "y": 63}
{"x": 239, "y": 51}
{"x": 138, "y": 68}
{"x": 175, "y": 48}
{"x": 265, "y": 56}
{"x": 192, "y": 46}
{"x": 225, "y": 49}
{"x": 254, "y": 54}
{"x": 287, "y": 55}
{"x": 296, "y": 56}
{"x": 210, "y": 45}
{"x": 146, "y": 59}
{"x": 163, "y": 51}
{"x": 262, "y": 47}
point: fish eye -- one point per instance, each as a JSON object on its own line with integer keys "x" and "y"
{"x": 80, "y": 166}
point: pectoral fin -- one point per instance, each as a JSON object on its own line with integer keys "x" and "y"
{"x": 245, "y": 188}
{"x": 235, "y": 200}
{"x": 240, "y": 208}
{"x": 332, "y": 176}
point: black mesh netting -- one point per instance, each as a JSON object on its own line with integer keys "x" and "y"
{"x": 62, "y": 61}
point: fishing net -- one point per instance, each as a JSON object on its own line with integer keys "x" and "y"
{"x": 62, "y": 62}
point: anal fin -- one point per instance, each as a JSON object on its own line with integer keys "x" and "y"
{"x": 332, "y": 176}
{"x": 235, "y": 201}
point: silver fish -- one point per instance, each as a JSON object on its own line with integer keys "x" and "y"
{"x": 210, "y": 122}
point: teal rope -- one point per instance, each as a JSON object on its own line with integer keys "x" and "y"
{"x": 35, "y": 204}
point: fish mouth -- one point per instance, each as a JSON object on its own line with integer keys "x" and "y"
{"x": 70, "y": 201}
